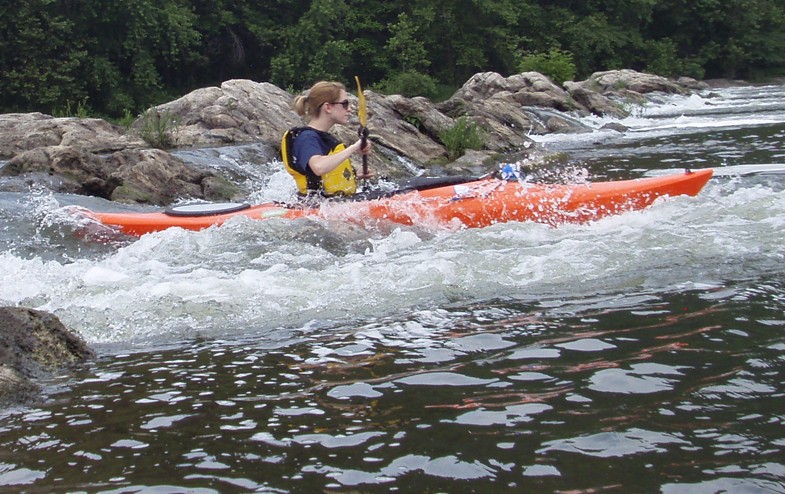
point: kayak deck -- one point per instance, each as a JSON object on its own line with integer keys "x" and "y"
{"x": 473, "y": 204}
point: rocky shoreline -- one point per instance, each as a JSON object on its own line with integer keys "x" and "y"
{"x": 94, "y": 157}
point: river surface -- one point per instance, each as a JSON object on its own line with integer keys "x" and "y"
{"x": 641, "y": 353}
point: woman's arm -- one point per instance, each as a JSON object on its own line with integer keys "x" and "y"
{"x": 321, "y": 164}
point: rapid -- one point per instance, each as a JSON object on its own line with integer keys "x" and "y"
{"x": 641, "y": 353}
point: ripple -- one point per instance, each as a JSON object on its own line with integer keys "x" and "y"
{"x": 9, "y": 475}
{"x": 362, "y": 390}
{"x": 443, "y": 379}
{"x": 509, "y": 416}
{"x": 640, "y": 379}
{"x": 541, "y": 471}
{"x": 130, "y": 444}
{"x": 337, "y": 441}
{"x": 481, "y": 342}
{"x": 739, "y": 388}
{"x": 163, "y": 422}
{"x": 534, "y": 353}
{"x": 586, "y": 345}
{"x": 724, "y": 485}
{"x": 615, "y": 444}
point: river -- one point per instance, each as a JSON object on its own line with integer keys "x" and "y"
{"x": 641, "y": 353}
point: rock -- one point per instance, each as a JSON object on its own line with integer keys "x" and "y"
{"x": 72, "y": 165}
{"x": 21, "y": 132}
{"x": 615, "y": 126}
{"x": 725, "y": 83}
{"x": 407, "y": 126}
{"x": 149, "y": 176}
{"x": 152, "y": 176}
{"x": 525, "y": 88}
{"x": 594, "y": 102}
{"x": 472, "y": 162}
{"x": 14, "y": 387}
{"x": 504, "y": 123}
{"x": 639, "y": 82}
{"x": 500, "y": 104}
{"x": 33, "y": 345}
{"x": 692, "y": 84}
{"x": 239, "y": 111}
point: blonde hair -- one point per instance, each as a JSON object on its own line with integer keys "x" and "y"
{"x": 309, "y": 104}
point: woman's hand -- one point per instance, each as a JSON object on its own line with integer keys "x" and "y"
{"x": 356, "y": 147}
{"x": 365, "y": 151}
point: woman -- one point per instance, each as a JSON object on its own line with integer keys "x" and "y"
{"x": 317, "y": 160}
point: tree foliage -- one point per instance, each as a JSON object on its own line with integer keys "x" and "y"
{"x": 113, "y": 58}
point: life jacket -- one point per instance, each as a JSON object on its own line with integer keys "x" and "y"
{"x": 340, "y": 181}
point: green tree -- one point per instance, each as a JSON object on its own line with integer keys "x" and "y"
{"x": 240, "y": 37}
{"x": 138, "y": 50}
{"x": 316, "y": 47}
{"x": 725, "y": 38}
{"x": 558, "y": 65}
{"x": 116, "y": 57}
{"x": 405, "y": 48}
{"x": 467, "y": 36}
{"x": 41, "y": 61}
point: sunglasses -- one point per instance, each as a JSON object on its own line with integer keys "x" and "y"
{"x": 344, "y": 103}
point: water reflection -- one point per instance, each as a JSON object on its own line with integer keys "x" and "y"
{"x": 500, "y": 395}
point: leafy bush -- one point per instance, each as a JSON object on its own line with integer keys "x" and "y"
{"x": 159, "y": 128}
{"x": 662, "y": 58}
{"x": 81, "y": 110}
{"x": 409, "y": 84}
{"x": 463, "y": 135}
{"x": 558, "y": 65}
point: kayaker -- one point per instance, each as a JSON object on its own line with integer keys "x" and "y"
{"x": 316, "y": 159}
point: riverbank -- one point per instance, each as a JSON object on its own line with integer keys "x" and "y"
{"x": 94, "y": 157}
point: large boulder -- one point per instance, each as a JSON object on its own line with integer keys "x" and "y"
{"x": 611, "y": 81}
{"x": 595, "y": 102}
{"x": 148, "y": 176}
{"x": 34, "y": 345}
{"x": 525, "y": 89}
{"x": 239, "y": 111}
{"x": 408, "y": 127}
{"x": 502, "y": 106}
{"x": 21, "y": 132}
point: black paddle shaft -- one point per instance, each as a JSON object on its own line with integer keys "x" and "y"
{"x": 364, "y": 137}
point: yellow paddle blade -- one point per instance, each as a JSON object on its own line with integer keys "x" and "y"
{"x": 361, "y": 113}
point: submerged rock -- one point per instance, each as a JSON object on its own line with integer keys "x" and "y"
{"x": 34, "y": 345}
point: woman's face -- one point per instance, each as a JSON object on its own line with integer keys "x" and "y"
{"x": 340, "y": 110}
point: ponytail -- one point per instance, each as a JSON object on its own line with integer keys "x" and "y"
{"x": 309, "y": 104}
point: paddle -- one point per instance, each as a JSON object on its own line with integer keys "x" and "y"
{"x": 363, "y": 116}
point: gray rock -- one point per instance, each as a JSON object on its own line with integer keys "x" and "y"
{"x": 133, "y": 175}
{"x": 239, "y": 111}
{"x": 595, "y": 102}
{"x": 639, "y": 82}
{"x": 33, "y": 345}
{"x": 21, "y": 132}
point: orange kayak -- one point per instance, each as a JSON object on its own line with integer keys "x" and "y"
{"x": 473, "y": 204}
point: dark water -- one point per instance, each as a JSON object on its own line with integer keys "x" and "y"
{"x": 642, "y": 353}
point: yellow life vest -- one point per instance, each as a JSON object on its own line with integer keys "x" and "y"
{"x": 340, "y": 181}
